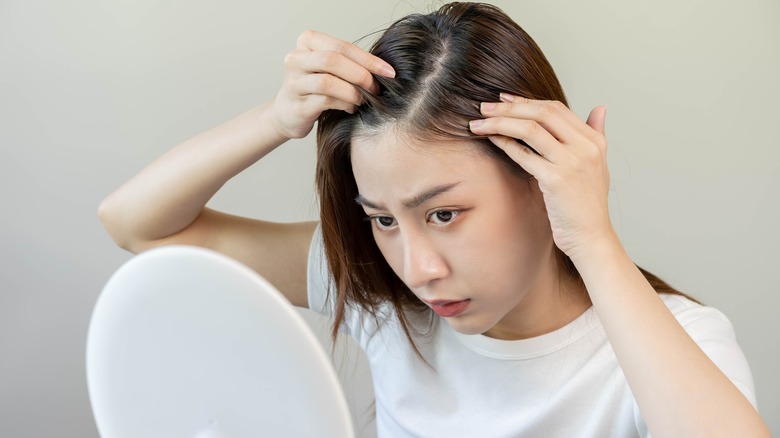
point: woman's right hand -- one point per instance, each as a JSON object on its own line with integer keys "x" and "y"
{"x": 323, "y": 73}
{"x": 165, "y": 203}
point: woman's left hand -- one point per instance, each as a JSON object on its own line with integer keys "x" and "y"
{"x": 570, "y": 163}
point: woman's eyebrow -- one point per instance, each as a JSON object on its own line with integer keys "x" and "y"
{"x": 413, "y": 202}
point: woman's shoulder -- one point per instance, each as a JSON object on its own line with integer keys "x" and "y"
{"x": 715, "y": 335}
{"x": 696, "y": 317}
{"x": 688, "y": 311}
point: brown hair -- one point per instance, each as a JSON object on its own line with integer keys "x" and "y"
{"x": 446, "y": 63}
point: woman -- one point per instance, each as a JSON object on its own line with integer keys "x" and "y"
{"x": 464, "y": 241}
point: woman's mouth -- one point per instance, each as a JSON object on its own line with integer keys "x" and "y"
{"x": 448, "y": 309}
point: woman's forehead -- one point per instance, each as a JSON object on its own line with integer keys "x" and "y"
{"x": 390, "y": 167}
{"x": 394, "y": 140}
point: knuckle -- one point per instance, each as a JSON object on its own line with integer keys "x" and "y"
{"x": 330, "y": 102}
{"x": 558, "y": 105}
{"x": 366, "y": 79}
{"x": 346, "y": 48}
{"x": 313, "y": 105}
{"x": 323, "y": 82}
{"x": 356, "y": 97}
{"x": 547, "y": 110}
{"x": 531, "y": 127}
{"x": 503, "y": 108}
{"x": 304, "y": 38}
{"x": 495, "y": 124}
{"x": 290, "y": 59}
{"x": 329, "y": 59}
{"x": 341, "y": 47}
{"x": 324, "y": 102}
{"x": 526, "y": 150}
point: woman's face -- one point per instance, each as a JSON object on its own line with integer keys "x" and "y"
{"x": 465, "y": 235}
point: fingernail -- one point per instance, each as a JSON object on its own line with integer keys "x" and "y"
{"x": 507, "y": 97}
{"x": 475, "y": 124}
{"x": 488, "y": 106}
{"x": 388, "y": 71}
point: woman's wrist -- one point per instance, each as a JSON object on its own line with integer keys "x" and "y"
{"x": 240, "y": 142}
{"x": 264, "y": 128}
{"x": 270, "y": 124}
{"x": 600, "y": 250}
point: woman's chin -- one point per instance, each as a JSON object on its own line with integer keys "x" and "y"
{"x": 465, "y": 327}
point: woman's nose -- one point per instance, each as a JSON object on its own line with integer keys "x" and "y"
{"x": 423, "y": 262}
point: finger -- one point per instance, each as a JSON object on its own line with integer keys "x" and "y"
{"x": 329, "y": 86}
{"x": 558, "y": 120}
{"x": 318, "y": 41}
{"x": 597, "y": 118}
{"x": 522, "y": 155}
{"x": 529, "y": 131}
{"x": 335, "y": 64}
{"x": 317, "y": 103}
{"x": 560, "y": 109}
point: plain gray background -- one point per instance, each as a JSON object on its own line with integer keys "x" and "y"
{"x": 91, "y": 91}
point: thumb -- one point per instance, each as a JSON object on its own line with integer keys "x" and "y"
{"x": 597, "y": 118}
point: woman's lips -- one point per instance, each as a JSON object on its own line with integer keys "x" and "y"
{"x": 448, "y": 309}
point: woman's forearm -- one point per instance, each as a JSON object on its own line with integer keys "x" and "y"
{"x": 322, "y": 73}
{"x": 170, "y": 193}
{"x": 679, "y": 390}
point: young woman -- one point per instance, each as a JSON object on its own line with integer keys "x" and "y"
{"x": 464, "y": 241}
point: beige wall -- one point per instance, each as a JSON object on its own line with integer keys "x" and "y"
{"x": 90, "y": 91}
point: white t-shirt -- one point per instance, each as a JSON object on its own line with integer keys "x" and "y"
{"x": 566, "y": 383}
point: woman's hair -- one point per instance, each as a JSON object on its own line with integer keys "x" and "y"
{"x": 446, "y": 63}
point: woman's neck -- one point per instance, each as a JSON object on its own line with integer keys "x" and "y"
{"x": 556, "y": 300}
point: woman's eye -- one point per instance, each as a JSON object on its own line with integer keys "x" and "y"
{"x": 443, "y": 217}
{"x": 384, "y": 221}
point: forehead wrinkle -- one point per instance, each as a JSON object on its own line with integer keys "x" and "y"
{"x": 418, "y": 142}
{"x": 413, "y": 202}
{"x": 427, "y": 195}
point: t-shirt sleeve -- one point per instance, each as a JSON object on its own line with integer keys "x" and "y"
{"x": 318, "y": 279}
{"x": 321, "y": 290}
{"x": 714, "y": 334}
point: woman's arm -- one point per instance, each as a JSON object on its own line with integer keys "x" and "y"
{"x": 679, "y": 390}
{"x": 167, "y": 196}
{"x": 165, "y": 202}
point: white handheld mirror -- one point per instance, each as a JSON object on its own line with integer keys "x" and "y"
{"x": 186, "y": 342}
